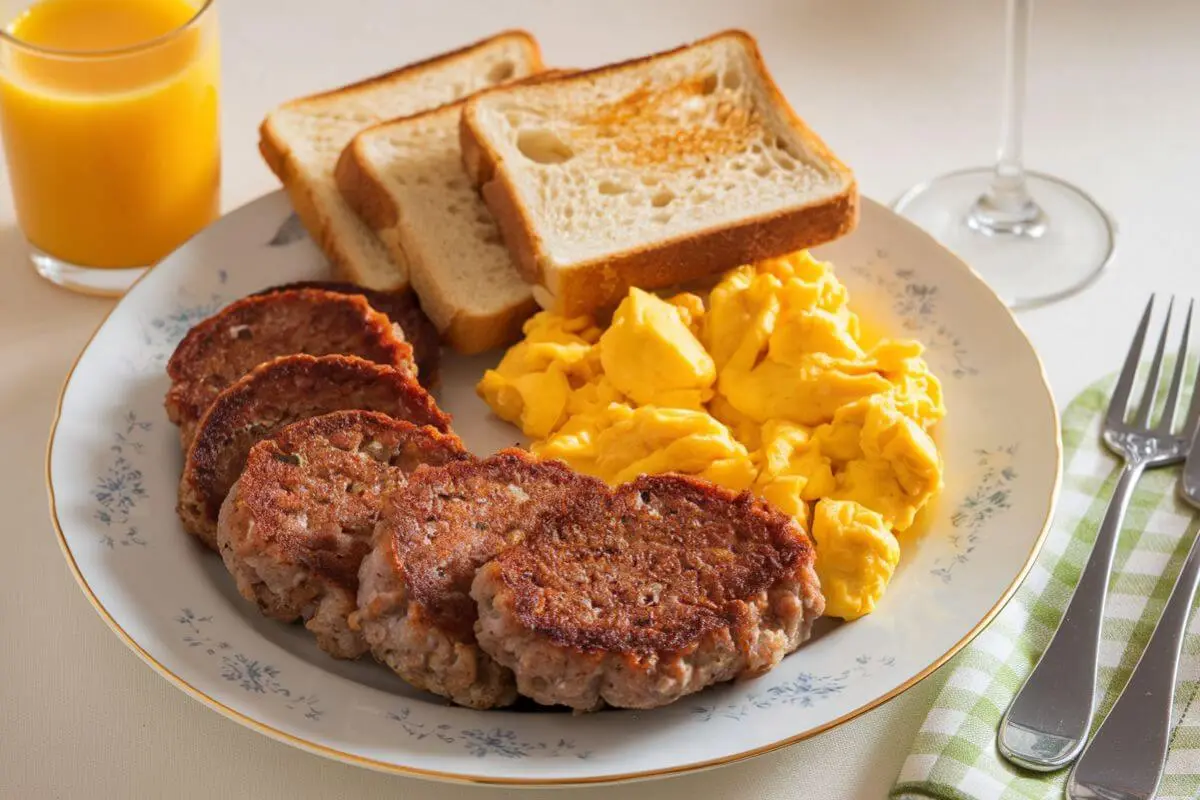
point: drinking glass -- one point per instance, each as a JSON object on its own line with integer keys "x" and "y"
{"x": 113, "y": 151}
{"x": 1033, "y": 237}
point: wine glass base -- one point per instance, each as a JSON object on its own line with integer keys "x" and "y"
{"x": 1027, "y": 266}
{"x": 100, "y": 281}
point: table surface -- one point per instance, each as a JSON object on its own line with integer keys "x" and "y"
{"x": 901, "y": 90}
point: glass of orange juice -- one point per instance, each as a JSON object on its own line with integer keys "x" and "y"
{"x": 109, "y": 118}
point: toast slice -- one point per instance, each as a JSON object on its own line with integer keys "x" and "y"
{"x": 405, "y": 179}
{"x": 652, "y": 172}
{"x": 301, "y": 142}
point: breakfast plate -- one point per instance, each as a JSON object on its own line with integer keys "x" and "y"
{"x": 114, "y": 460}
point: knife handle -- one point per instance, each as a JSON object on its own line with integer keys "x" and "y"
{"x": 1047, "y": 723}
{"x": 1125, "y": 759}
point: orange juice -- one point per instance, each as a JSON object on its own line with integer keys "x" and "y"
{"x": 109, "y": 122}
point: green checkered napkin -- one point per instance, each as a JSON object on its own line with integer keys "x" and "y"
{"x": 954, "y": 754}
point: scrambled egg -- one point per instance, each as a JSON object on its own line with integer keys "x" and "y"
{"x": 856, "y": 556}
{"x": 766, "y": 384}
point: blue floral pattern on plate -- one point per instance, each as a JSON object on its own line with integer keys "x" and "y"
{"x": 992, "y": 494}
{"x": 121, "y": 487}
{"x": 162, "y": 333}
{"x": 915, "y": 303}
{"x": 248, "y": 673}
{"x": 805, "y": 690}
{"x": 483, "y": 742}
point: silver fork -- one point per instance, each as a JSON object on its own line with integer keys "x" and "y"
{"x": 1125, "y": 759}
{"x": 1046, "y": 725}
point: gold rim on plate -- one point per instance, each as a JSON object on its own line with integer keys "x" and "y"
{"x": 395, "y": 769}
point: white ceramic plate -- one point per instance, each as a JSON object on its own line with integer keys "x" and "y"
{"x": 114, "y": 460}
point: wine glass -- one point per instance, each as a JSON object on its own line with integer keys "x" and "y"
{"x": 1033, "y": 237}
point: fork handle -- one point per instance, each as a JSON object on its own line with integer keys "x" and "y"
{"x": 1125, "y": 759}
{"x": 1047, "y": 723}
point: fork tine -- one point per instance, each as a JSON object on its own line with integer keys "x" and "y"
{"x": 1193, "y": 414}
{"x": 1118, "y": 406}
{"x": 1168, "y": 415}
{"x": 1142, "y": 418}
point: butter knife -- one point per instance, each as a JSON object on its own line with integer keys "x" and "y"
{"x": 1125, "y": 760}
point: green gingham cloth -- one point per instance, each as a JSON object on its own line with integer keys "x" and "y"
{"x": 954, "y": 754}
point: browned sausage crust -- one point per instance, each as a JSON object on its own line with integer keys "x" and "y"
{"x": 221, "y": 349}
{"x": 633, "y": 596}
{"x": 415, "y": 608}
{"x": 274, "y": 395}
{"x": 402, "y": 308}
{"x": 295, "y": 527}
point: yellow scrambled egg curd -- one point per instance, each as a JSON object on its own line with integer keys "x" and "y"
{"x": 766, "y": 384}
{"x": 617, "y": 443}
{"x": 856, "y": 556}
{"x": 652, "y": 357}
{"x": 534, "y": 382}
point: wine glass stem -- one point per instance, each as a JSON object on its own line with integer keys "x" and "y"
{"x": 1006, "y": 207}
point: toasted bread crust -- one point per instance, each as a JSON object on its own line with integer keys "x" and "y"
{"x": 479, "y": 159}
{"x": 224, "y": 347}
{"x": 472, "y": 335}
{"x": 528, "y": 40}
{"x": 601, "y": 284}
{"x": 274, "y": 395}
{"x": 360, "y": 186}
{"x": 277, "y": 154}
{"x": 473, "y": 164}
{"x": 402, "y": 308}
{"x": 366, "y": 193}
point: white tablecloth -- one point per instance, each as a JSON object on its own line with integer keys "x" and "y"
{"x": 900, "y": 89}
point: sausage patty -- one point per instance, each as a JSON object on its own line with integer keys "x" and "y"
{"x": 414, "y": 603}
{"x": 271, "y": 397}
{"x": 402, "y": 308}
{"x": 510, "y": 570}
{"x": 640, "y": 595}
{"x": 295, "y": 526}
{"x": 222, "y": 348}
